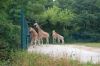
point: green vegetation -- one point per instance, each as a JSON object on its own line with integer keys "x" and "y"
{"x": 21, "y": 58}
{"x": 96, "y": 45}
{"x": 76, "y": 20}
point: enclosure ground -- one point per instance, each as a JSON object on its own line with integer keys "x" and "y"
{"x": 80, "y": 52}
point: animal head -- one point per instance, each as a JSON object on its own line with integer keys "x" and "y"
{"x": 53, "y": 31}
{"x": 36, "y": 25}
{"x": 30, "y": 29}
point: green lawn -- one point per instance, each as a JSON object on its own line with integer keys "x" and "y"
{"x": 97, "y": 45}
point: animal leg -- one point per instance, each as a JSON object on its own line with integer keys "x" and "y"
{"x": 53, "y": 40}
{"x": 31, "y": 42}
{"x": 42, "y": 41}
{"x": 58, "y": 40}
{"x": 62, "y": 41}
{"x": 38, "y": 41}
{"x": 47, "y": 41}
{"x": 35, "y": 42}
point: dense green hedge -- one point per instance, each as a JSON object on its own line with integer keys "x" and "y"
{"x": 9, "y": 39}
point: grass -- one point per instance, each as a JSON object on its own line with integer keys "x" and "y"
{"x": 22, "y": 58}
{"x": 96, "y": 45}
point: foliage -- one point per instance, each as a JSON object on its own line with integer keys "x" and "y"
{"x": 55, "y": 14}
{"x": 9, "y": 32}
{"x": 9, "y": 39}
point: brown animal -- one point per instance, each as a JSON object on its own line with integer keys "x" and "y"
{"x": 42, "y": 34}
{"x": 34, "y": 36}
{"x": 58, "y": 37}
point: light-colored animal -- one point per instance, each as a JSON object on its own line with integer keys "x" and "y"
{"x": 42, "y": 34}
{"x": 33, "y": 35}
{"x": 57, "y": 37}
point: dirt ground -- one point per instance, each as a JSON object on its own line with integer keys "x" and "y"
{"x": 81, "y": 53}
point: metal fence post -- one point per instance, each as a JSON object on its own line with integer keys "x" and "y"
{"x": 24, "y": 31}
